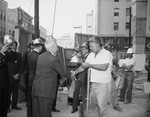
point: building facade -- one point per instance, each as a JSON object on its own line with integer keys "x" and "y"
{"x": 21, "y": 24}
{"x": 23, "y": 19}
{"x": 3, "y": 13}
{"x": 123, "y": 24}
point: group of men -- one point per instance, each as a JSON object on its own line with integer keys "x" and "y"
{"x": 44, "y": 68}
{"x": 44, "y": 92}
{"x": 100, "y": 61}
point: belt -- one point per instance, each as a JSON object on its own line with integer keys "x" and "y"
{"x": 128, "y": 71}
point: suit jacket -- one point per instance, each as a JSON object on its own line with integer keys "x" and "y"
{"x": 25, "y": 67}
{"x": 32, "y": 61}
{"x": 45, "y": 81}
{"x": 4, "y": 77}
{"x": 14, "y": 67}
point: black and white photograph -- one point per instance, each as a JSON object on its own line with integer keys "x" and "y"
{"x": 74, "y": 58}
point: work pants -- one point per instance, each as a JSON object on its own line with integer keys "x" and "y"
{"x": 126, "y": 91}
{"x": 99, "y": 99}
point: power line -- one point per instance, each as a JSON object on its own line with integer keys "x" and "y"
{"x": 54, "y": 17}
{"x": 30, "y": 6}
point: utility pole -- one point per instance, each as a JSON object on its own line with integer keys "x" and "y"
{"x": 130, "y": 27}
{"x": 36, "y": 19}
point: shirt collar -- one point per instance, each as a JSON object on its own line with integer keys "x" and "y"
{"x": 52, "y": 53}
{"x": 36, "y": 50}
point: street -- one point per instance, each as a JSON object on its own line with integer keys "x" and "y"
{"x": 137, "y": 108}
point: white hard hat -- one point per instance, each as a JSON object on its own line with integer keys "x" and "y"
{"x": 37, "y": 41}
{"x": 130, "y": 51}
{"x": 76, "y": 59}
{"x": 8, "y": 39}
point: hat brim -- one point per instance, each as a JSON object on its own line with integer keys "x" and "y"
{"x": 37, "y": 44}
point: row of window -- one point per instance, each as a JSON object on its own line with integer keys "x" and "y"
{"x": 116, "y": 25}
{"x": 12, "y": 33}
{"x": 115, "y": 40}
{"x": 118, "y": 0}
{"x": 116, "y": 11}
{"x": 2, "y": 31}
{"x": 24, "y": 16}
{"x": 2, "y": 15}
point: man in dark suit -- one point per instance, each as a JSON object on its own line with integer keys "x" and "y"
{"x": 32, "y": 61}
{"x": 5, "y": 57}
{"x": 25, "y": 68}
{"x": 60, "y": 56}
{"x": 45, "y": 81}
{"x": 81, "y": 80}
{"x": 14, "y": 68}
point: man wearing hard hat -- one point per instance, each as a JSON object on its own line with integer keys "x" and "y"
{"x": 32, "y": 61}
{"x": 128, "y": 66}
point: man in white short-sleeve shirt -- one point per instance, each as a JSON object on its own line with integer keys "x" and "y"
{"x": 128, "y": 66}
{"x": 99, "y": 62}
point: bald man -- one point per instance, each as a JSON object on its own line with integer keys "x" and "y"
{"x": 45, "y": 81}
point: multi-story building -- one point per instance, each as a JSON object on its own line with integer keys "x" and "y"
{"x": 112, "y": 22}
{"x": 120, "y": 22}
{"x": 23, "y": 19}
{"x": 21, "y": 24}
{"x": 3, "y": 9}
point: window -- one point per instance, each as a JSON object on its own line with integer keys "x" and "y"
{"x": 3, "y": 32}
{"x": 128, "y": 0}
{"x": 116, "y": 13}
{"x": 116, "y": 25}
{"x": 0, "y": 31}
{"x": 13, "y": 33}
{"x": 127, "y": 11}
{"x": 4, "y": 15}
{"x": 127, "y": 25}
{"x": 9, "y": 32}
{"x": 126, "y": 40}
{"x": 1, "y": 14}
{"x": 116, "y": 0}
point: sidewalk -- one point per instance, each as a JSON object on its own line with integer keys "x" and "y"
{"x": 137, "y": 108}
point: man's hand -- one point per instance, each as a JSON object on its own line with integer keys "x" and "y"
{"x": 16, "y": 76}
{"x": 61, "y": 81}
{"x": 85, "y": 65}
{"x": 4, "y": 48}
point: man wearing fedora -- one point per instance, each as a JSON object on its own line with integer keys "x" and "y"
{"x": 32, "y": 61}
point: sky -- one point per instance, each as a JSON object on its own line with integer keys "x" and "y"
{"x": 69, "y": 14}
